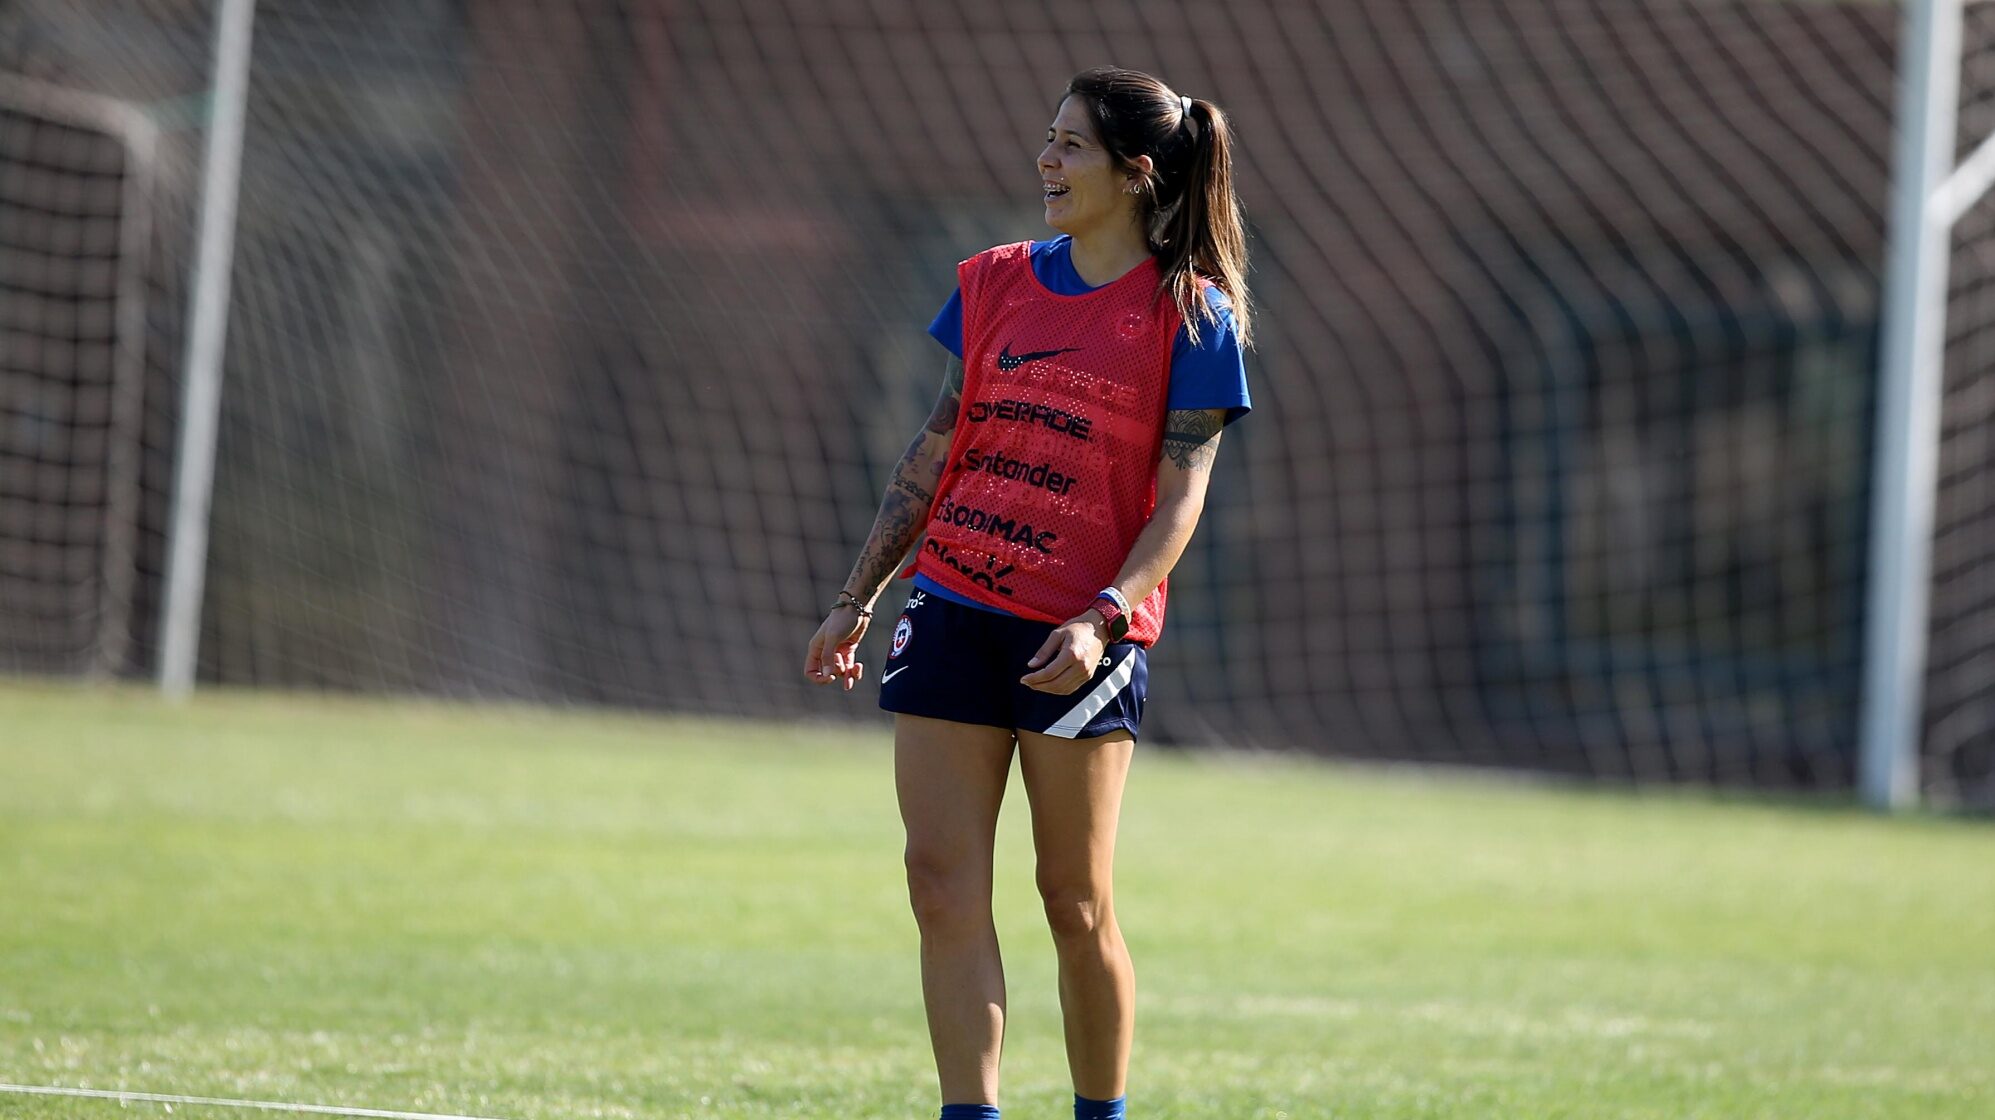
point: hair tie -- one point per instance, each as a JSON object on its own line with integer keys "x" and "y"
{"x": 1184, "y": 104}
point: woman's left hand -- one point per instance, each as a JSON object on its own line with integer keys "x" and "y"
{"x": 1067, "y": 659}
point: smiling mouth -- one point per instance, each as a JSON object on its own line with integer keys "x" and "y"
{"x": 1056, "y": 190}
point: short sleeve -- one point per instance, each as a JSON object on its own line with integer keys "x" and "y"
{"x": 947, "y": 328}
{"x": 1212, "y": 374}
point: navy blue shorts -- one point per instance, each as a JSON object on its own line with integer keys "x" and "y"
{"x": 949, "y": 661}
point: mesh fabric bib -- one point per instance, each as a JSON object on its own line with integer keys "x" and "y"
{"x": 1052, "y": 470}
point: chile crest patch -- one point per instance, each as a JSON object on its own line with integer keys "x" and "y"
{"x": 903, "y": 630}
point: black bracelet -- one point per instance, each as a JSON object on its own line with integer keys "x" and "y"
{"x": 847, "y": 599}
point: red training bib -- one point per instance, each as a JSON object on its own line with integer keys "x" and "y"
{"x": 1052, "y": 470}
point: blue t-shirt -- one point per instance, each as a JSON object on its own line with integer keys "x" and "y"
{"x": 1209, "y": 375}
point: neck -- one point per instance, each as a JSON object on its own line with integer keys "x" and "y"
{"x": 1102, "y": 255}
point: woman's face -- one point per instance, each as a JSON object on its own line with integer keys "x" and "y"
{"x": 1085, "y": 190}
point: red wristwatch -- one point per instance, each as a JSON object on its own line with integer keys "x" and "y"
{"x": 1112, "y": 617}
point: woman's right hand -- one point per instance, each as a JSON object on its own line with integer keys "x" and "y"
{"x": 834, "y": 649}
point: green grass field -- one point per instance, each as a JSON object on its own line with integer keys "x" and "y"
{"x": 526, "y": 914}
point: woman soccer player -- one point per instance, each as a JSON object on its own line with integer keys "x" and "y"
{"x": 1058, "y": 479}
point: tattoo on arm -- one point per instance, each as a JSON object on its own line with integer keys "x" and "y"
{"x": 1191, "y": 437}
{"x": 942, "y": 419}
{"x": 904, "y": 510}
{"x": 907, "y": 473}
{"x": 903, "y": 515}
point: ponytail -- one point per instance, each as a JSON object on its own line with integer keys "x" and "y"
{"x": 1203, "y": 234}
{"x": 1189, "y": 211}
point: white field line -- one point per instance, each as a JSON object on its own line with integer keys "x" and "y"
{"x": 222, "y": 1102}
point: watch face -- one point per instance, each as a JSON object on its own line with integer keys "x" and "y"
{"x": 1118, "y": 625}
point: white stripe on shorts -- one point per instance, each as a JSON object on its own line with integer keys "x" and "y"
{"x": 1077, "y": 717}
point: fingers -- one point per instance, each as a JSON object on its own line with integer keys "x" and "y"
{"x": 1064, "y": 685}
{"x": 814, "y": 661}
{"x": 835, "y": 658}
{"x": 1065, "y": 661}
{"x": 846, "y": 664}
{"x": 1061, "y": 675}
{"x": 1053, "y": 671}
{"x": 1048, "y": 649}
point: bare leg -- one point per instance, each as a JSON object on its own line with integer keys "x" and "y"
{"x": 951, "y": 778}
{"x": 1075, "y": 786}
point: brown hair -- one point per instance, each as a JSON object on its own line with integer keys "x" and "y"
{"x": 1187, "y": 206}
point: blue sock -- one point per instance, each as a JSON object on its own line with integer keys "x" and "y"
{"x": 1085, "y": 1109}
{"x": 969, "y": 1112}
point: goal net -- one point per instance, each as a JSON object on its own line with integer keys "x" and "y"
{"x": 1957, "y": 764}
{"x": 74, "y": 204}
{"x": 571, "y": 344}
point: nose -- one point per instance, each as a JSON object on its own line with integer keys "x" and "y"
{"x": 1046, "y": 163}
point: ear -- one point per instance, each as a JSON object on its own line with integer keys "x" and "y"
{"x": 1141, "y": 167}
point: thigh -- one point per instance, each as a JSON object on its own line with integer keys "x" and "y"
{"x": 1075, "y": 787}
{"x": 950, "y": 778}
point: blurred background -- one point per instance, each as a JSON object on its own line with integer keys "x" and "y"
{"x": 570, "y": 344}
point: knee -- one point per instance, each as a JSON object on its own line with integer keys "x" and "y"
{"x": 946, "y": 895}
{"x": 1075, "y": 914}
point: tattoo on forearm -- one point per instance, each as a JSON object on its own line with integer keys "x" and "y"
{"x": 904, "y": 509}
{"x": 900, "y": 522}
{"x": 903, "y": 515}
{"x": 1191, "y": 437}
{"x": 907, "y": 472}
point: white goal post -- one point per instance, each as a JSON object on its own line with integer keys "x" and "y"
{"x": 1928, "y": 199}
{"x": 194, "y": 469}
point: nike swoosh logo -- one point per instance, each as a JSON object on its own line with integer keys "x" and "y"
{"x": 1009, "y": 360}
{"x": 895, "y": 673}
